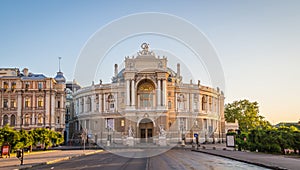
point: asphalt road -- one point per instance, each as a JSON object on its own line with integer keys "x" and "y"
{"x": 173, "y": 159}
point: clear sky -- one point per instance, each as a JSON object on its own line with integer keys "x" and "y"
{"x": 258, "y": 42}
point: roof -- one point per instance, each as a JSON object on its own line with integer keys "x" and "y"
{"x": 33, "y": 77}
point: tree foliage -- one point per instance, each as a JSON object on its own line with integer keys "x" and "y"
{"x": 24, "y": 139}
{"x": 10, "y": 136}
{"x": 246, "y": 113}
{"x": 271, "y": 140}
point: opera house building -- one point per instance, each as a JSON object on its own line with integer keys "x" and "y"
{"x": 147, "y": 101}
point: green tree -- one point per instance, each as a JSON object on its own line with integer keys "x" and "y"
{"x": 46, "y": 137}
{"x": 247, "y": 114}
{"x": 10, "y": 136}
{"x": 26, "y": 139}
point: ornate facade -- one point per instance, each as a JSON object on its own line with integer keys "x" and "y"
{"x": 144, "y": 99}
{"x": 30, "y": 100}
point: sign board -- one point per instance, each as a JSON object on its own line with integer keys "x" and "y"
{"x": 110, "y": 123}
{"x": 5, "y": 150}
{"x": 230, "y": 141}
{"x": 195, "y": 135}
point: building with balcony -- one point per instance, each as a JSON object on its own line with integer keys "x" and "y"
{"x": 144, "y": 99}
{"x": 29, "y": 100}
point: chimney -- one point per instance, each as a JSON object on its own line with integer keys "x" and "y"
{"x": 25, "y": 72}
{"x": 116, "y": 70}
{"x": 178, "y": 70}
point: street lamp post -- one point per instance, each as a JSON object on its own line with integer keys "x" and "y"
{"x": 182, "y": 136}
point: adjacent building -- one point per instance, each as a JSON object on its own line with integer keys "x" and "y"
{"x": 71, "y": 135}
{"x": 29, "y": 100}
{"x": 145, "y": 99}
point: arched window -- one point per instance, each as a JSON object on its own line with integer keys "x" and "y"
{"x": 111, "y": 102}
{"x": 5, "y": 120}
{"x": 181, "y": 99}
{"x": 27, "y": 120}
{"x": 5, "y": 85}
{"x": 40, "y": 119}
{"x": 210, "y": 103}
{"x": 89, "y": 104}
{"x": 81, "y": 105}
{"x": 204, "y": 103}
{"x": 145, "y": 93}
{"x": 12, "y": 120}
{"x": 196, "y": 102}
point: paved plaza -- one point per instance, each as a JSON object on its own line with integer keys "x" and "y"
{"x": 192, "y": 158}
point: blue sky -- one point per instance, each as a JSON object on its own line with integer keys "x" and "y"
{"x": 257, "y": 41}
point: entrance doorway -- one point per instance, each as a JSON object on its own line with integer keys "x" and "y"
{"x": 146, "y": 131}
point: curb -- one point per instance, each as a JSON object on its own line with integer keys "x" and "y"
{"x": 242, "y": 160}
{"x": 60, "y": 159}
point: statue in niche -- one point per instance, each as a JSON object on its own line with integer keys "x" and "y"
{"x": 159, "y": 65}
{"x": 130, "y": 132}
{"x": 162, "y": 132}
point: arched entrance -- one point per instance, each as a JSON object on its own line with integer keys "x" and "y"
{"x": 146, "y": 130}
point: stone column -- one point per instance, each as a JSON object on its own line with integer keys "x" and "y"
{"x": 116, "y": 101}
{"x": 164, "y": 92}
{"x": 158, "y": 91}
{"x": 52, "y": 110}
{"x": 192, "y": 102}
{"x": 33, "y": 104}
{"x": 200, "y": 103}
{"x": 93, "y": 103}
{"x": 188, "y": 102}
{"x": 104, "y": 102}
{"x": 84, "y": 104}
{"x": 19, "y": 109}
{"x": 127, "y": 93}
{"x": 100, "y": 102}
{"x": 132, "y": 93}
{"x": 138, "y": 101}
{"x": 33, "y": 119}
{"x": 176, "y": 102}
{"x": 207, "y": 104}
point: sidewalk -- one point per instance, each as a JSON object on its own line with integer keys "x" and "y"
{"x": 39, "y": 158}
{"x": 260, "y": 159}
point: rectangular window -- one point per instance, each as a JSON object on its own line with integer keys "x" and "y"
{"x": 27, "y": 102}
{"x": 5, "y": 103}
{"x": 40, "y": 102}
{"x": 13, "y": 103}
{"x": 40, "y": 119}
{"x": 40, "y": 85}
{"x": 5, "y": 85}
{"x": 58, "y": 104}
{"x": 146, "y": 100}
{"x": 122, "y": 123}
{"x": 27, "y": 85}
{"x": 169, "y": 104}
{"x": 13, "y": 85}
